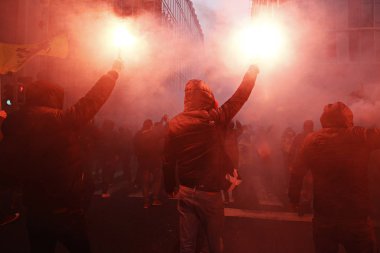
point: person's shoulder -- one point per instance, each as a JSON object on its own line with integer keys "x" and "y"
{"x": 189, "y": 120}
{"x": 35, "y": 119}
{"x": 175, "y": 118}
{"x": 299, "y": 137}
{"x": 189, "y": 116}
{"x": 326, "y": 134}
{"x": 357, "y": 129}
{"x": 46, "y": 114}
{"x": 176, "y": 121}
{"x": 311, "y": 138}
{"x": 220, "y": 115}
{"x": 359, "y": 132}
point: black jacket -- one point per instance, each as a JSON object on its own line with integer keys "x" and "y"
{"x": 337, "y": 156}
{"x": 194, "y": 149}
{"x": 41, "y": 148}
{"x": 148, "y": 146}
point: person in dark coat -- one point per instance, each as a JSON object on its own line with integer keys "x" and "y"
{"x": 308, "y": 127}
{"x": 338, "y": 156}
{"x": 88, "y": 137}
{"x": 307, "y": 190}
{"x": 125, "y": 152}
{"x": 287, "y": 139}
{"x": 8, "y": 194}
{"x": 41, "y": 150}
{"x": 148, "y": 146}
{"x": 3, "y": 116}
{"x": 108, "y": 154}
{"x": 195, "y": 156}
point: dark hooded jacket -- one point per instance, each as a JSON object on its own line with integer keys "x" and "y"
{"x": 145, "y": 144}
{"x": 194, "y": 148}
{"x": 338, "y": 157}
{"x": 41, "y": 148}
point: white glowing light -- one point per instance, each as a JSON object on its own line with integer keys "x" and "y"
{"x": 262, "y": 40}
{"x": 123, "y": 37}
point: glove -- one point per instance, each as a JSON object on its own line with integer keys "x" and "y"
{"x": 118, "y": 65}
{"x": 253, "y": 70}
{"x": 251, "y": 73}
{"x": 234, "y": 180}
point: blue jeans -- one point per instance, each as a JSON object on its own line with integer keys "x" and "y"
{"x": 201, "y": 216}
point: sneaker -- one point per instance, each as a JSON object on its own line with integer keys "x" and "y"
{"x": 156, "y": 202}
{"x": 106, "y": 195}
{"x": 9, "y": 218}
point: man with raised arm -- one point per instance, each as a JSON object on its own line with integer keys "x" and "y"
{"x": 195, "y": 159}
{"x": 41, "y": 152}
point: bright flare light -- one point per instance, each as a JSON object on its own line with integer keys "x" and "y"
{"x": 262, "y": 40}
{"x": 125, "y": 40}
{"x": 123, "y": 37}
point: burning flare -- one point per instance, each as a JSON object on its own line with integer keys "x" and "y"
{"x": 262, "y": 40}
{"x": 123, "y": 37}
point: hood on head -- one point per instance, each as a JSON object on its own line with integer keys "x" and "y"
{"x": 43, "y": 93}
{"x": 198, "y": 96}
{"x": 337, "y": 115}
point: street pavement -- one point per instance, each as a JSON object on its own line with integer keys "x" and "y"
{"x": 120, "y": 224}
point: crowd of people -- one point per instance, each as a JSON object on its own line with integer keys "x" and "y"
{"x": 202, "y": 156}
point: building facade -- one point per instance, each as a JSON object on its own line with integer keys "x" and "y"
{"x": 180, "y": 17}
{"x": 352, "y": 27}
{"x": 31, "y": 21}
{"x": 356, "y": 35}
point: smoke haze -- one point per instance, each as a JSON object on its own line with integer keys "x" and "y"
{"x": 287, "y": 91}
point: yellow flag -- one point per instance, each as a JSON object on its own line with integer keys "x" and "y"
{"x": 13, "y": 57}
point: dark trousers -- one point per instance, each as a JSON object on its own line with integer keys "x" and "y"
{"x": 66, "y": 227}
{"x": 356, "y": 236}
{"x": 201, "y": 215}
{"x": 152, "y": 178}
{"x": 126, "y": 167}
{"x": 108, "y": 172}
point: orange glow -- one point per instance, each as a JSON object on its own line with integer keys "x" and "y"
{"x": 123, "y": 37}
{"x": 263, "y": 40}
{"x": 3, "y": 114}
